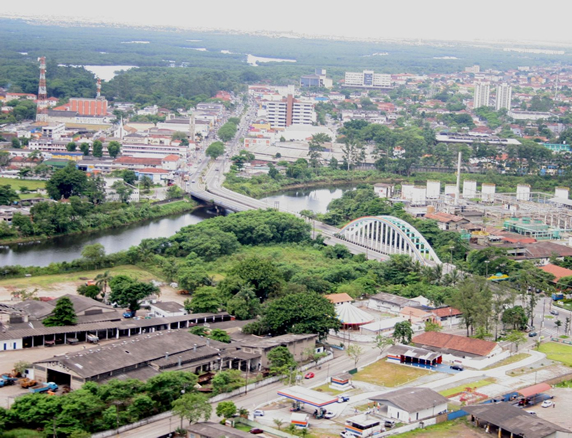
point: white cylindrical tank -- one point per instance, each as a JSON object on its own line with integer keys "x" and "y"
{"x": 469, "y": 189}
{"x": 418, "y": 196}
{"x": 406, "y": 191}
{"x": 488, "y": 191}
{"x": 523, "y": 192}
{"x": 433, "y": 189}
{"x": 561, "y": 192}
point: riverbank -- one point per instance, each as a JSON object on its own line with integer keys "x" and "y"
{"x": 155, "y": 211}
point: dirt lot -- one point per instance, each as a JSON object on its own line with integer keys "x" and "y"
{"x": 560, "y": 414}
{"x": 55, "y": 286}
{"x": 456, "y": 429}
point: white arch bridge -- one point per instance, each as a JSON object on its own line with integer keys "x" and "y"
{"x": 389, "y": 235}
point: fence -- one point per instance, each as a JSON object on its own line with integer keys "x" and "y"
{"x": 279, "y": 433}
{"x": 410, "y": 427}
{"x": 127, "y": 427}
{"x": 456, "y": 414}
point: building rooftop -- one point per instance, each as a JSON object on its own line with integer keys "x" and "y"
{"x": 515, "y": 421}
{"x": 169, "y": 306}
{"x": 339, "y": 298}
{"x": 216, "y": 430}
{"x": 462, "y": 344}
{"x": 394, "y": 299}
{"x": 443, "y": 312}
{"x": 412, "y": 399}
{"x": 558, "y": 271}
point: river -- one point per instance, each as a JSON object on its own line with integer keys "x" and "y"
{"x": 68, "y": 248}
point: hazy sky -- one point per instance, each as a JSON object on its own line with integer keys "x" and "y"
{"x": 545, "y": 20}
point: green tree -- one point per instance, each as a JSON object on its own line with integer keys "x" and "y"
{"x": 114, "y": 148}
{"x": 227, "y": 131}
{"x": 403, "y": 332}
{"x": 66, "y": 182}
{"x": 300, "y": 313}
{"x": 206, "y": 300}
{"x": 199, "y": 330}
{"x": 8, "y": 195}
{"x": 227, "y": 381}
{"x": 174, "y": 192}
{"x": 128, "y": 293}
{"x": 191, "y": 279}
{"x": 383, "y": 341}
{"x": 91, "y": 291}
{"x": 192, "y": 407}
{"x": 355, "y": 352}
{"x": 71, "y": 146}
{"x": 16, "y": 143}
{"x": 244, "y": 305}
{"x": 215, "y": 150}
{"x": 97, "y": 149}
{"x": 219, "y": 335}
{"x": 102, "y": 280}
{"x": 168, "y": 386}
{"x": 93, "y": 253}
{"x": 261, "y": 274}
{"x": 226, "y": 409}
{"x": 515, "y": 317}
{"x": 123, "y": 191}
{"x": 316, "y": 147}
{"x": 281, "y": 361}
{"x": 84, "y": 148}
{"x": 474, "y": 299}
{"x": 146, "y": 183}
{"x": 129, "y": 176}
{"x": 63, "y": 314}
{"x": 432, "y": 326}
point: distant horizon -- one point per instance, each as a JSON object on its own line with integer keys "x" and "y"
{"x": 489, "y": 22}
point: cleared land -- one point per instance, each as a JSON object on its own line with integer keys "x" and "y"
{"x": 383, "y": 373}
{"x": 559, "y": 352}
{"x": 461, "y": 388}
{"x": 31, "y": 184}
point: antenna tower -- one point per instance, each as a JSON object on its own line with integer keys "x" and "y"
{"x": 98, "y": 95}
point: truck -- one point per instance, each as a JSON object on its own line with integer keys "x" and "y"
{"x": 43, "y": 387}
{"x": 557, "y": 296}
{"x": 6, "y": 380}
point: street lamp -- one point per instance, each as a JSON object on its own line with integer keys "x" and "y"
{"x": 487, "y": 268}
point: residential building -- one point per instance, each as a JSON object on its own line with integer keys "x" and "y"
{"x": 504, "y": 96}
{"x": 415, "y": 315}
{"x": 318, "y": 79}
{"x": 289, "y": 111}
{"x": 411, "y": 404}
{"x": 339, "y": 299}
{"x": 447, "y": 221}
{"x": 482, "y": 94}
{"x": 367, "y": 79}
{"x": 457, "y": 346}
{"x": 167, "y": 308}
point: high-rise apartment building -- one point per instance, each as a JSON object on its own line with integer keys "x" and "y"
{"x": 289, "y": 111}
{"x": 318, "y": 79}
{"x": 504, "y": 96}
{"x": 482, "y": 94}
{"x": 367, "y": 79}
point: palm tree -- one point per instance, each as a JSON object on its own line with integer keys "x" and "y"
{"x": 103, "y": 279}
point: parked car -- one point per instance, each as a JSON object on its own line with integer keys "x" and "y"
{"x": 531, "y": 412}
{"x": 256, "y": 431}
{"x": 457, "y": 367}
{"x": 309, "y": 375}
{"x": 554, "y": 312}
{"x": 346, "y": 434}
{"x": 343, "y": 398}
{"x": 532, "y": 334}
{"x": 329, "y": 415}
{"x": 546, "y": 403}
{"x": 389, "y": 424}
{"x": 258, "y": 413}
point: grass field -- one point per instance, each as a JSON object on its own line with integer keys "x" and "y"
{"x": 16, "y": 183}
{"x": 461, "y": 388}
{"x": 48, "y": 281}
{"x": 448, "y": 429}
{"x": 512, "y": 359}
{"x": 326, "y": 388}
{"x": 559, "y": 352}
{"x": 388, "y": 374}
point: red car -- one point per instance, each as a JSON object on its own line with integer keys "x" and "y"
{"x": 256, "y": 431}
{"x": 309, "y": 376}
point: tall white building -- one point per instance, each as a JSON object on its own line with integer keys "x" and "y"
{"x": 504, "y": 96}
{"x": 367, "y": 79}
{"x": 289, "y": 111}
{"x": 482, "y": 94}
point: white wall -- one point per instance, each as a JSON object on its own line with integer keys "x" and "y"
{"x": 409, "y": 417}
{"x": 13, "y": 344}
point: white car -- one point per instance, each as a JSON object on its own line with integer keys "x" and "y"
{"x": 258, "y": 413}
{"x": 546, "y": 403}
{"x": 329, "y": 415}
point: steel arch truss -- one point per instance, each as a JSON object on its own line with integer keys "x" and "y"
{"x": 389, "y": 235}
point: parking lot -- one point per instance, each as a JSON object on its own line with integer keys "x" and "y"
{"x": 560, "y": 413}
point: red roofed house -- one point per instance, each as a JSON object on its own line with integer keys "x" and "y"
{"x": 339, "y": 299}
{"x": 138, "y": 162}
{"x": 454, "y": 347}
{"x": 158, "y": 176}
{"x": 558, "y": 271}
{"x": 446, "y": 221}
{"x": 447, "y": 315}
{"x": 171, "y": 162}
{"x": 416, "y": 316}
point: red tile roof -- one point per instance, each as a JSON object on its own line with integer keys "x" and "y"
{"x": 446, "y": 311}
{"x": 444, "y": 217}
{"x": 558, "y": 271}
{"x": 339, "y": 298}
{"x": 171, "y": 157}
{"x": 462, "y": 344}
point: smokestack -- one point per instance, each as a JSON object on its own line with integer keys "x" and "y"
{"x": 42, "y": 90}
{"x": 98, "y": 95}
{"x": 458, "y": 188}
